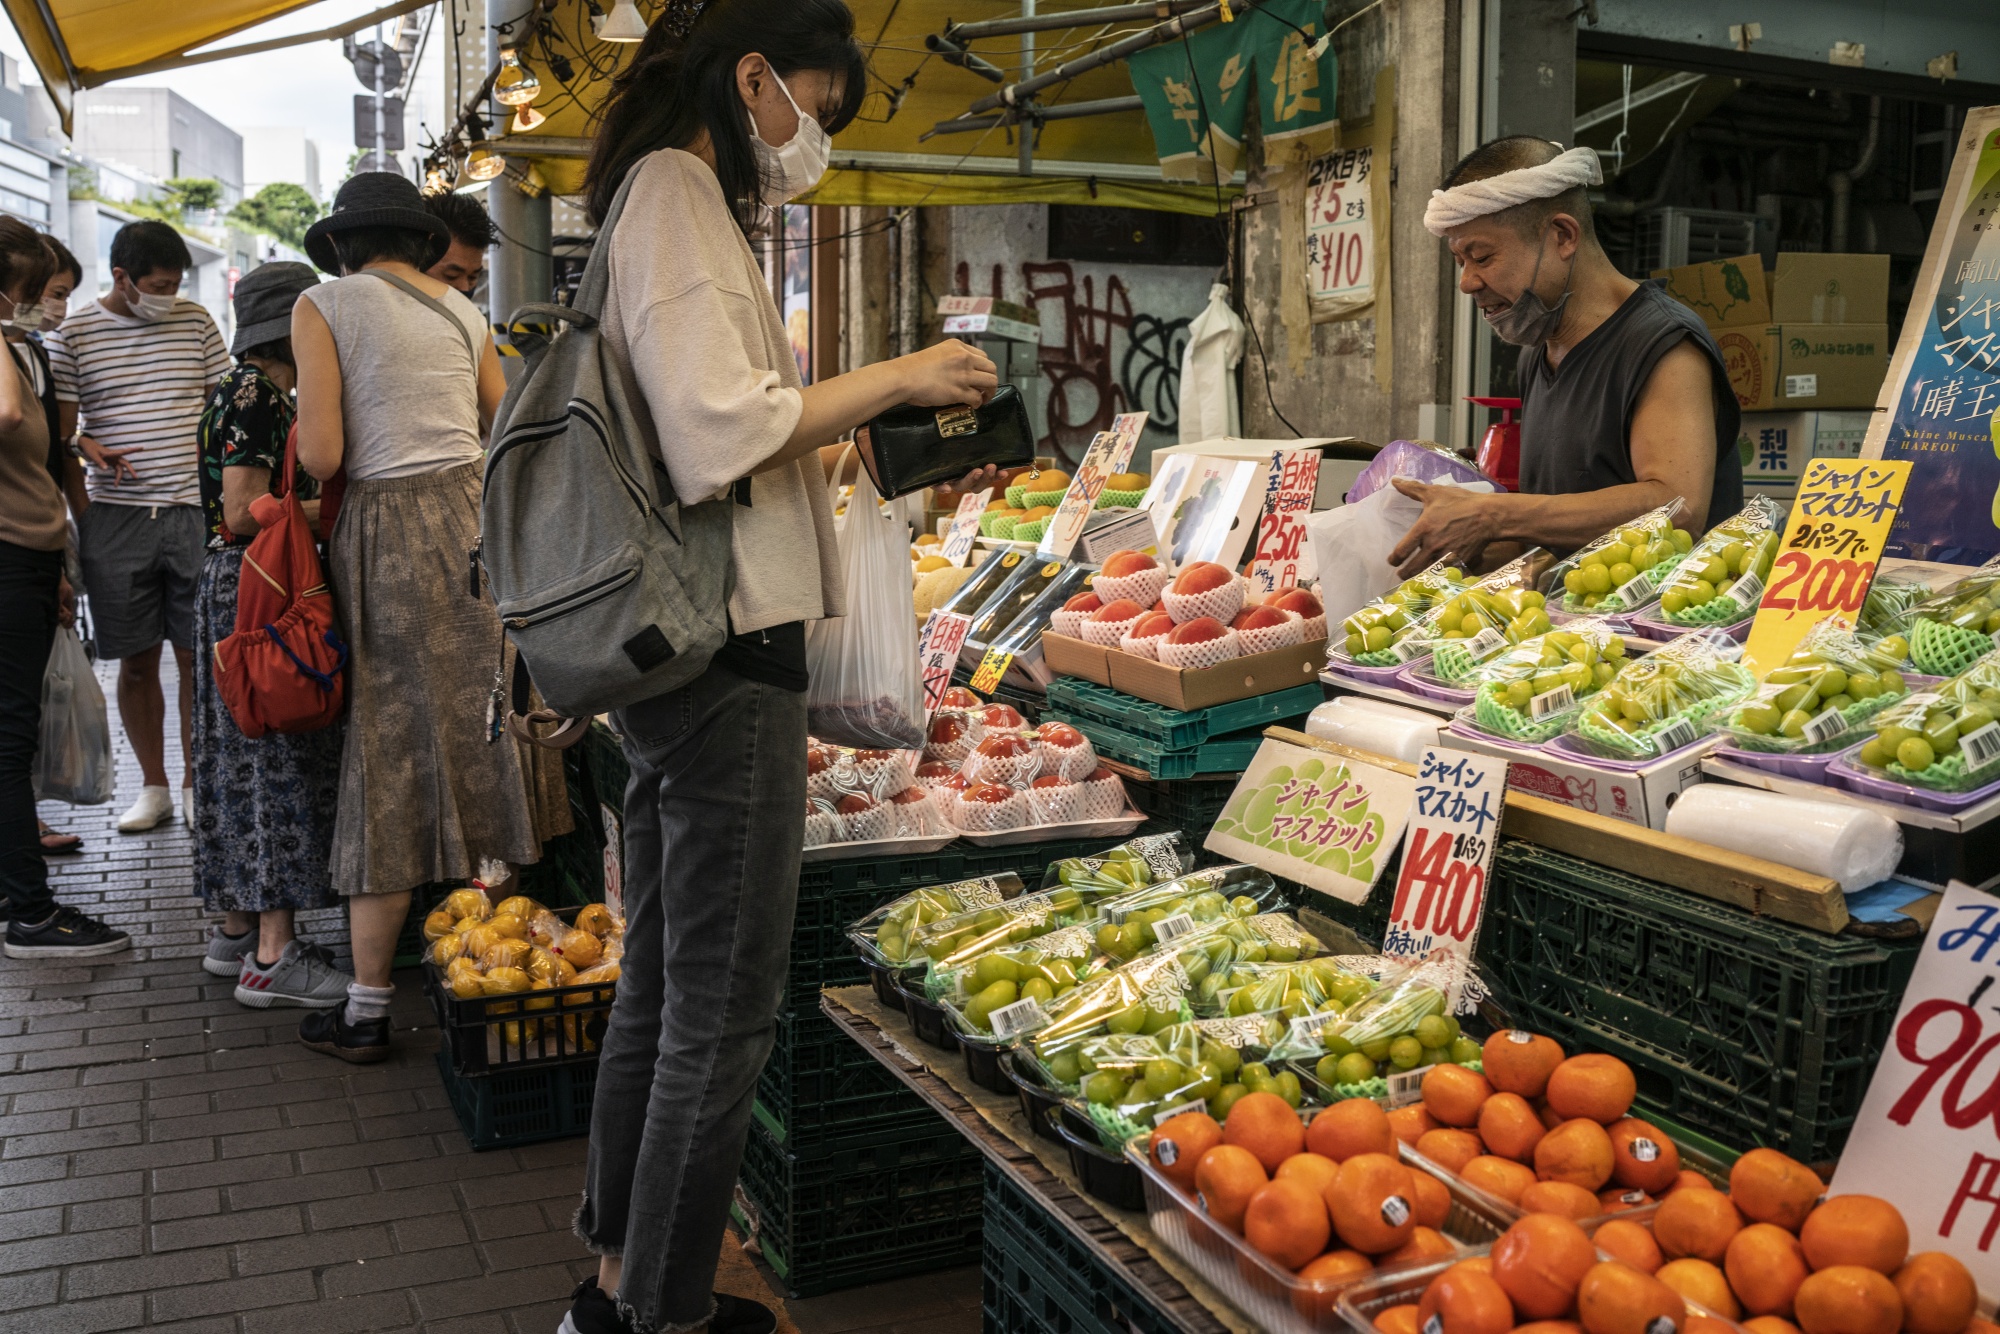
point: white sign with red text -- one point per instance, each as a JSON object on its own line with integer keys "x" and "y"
{"x": 1928, "y": 1136}
{"x": 965, "y": 526}
{"x": 1447, "y": 855}
{"x": 937, "y": 652}
{"x": 1107, "y": 456}
{"x": 1283, "y": 559}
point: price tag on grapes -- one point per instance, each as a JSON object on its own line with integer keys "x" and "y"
{"x": 1827, "y": 559}
{"x": 1925, "y": 1140}
{"x": 1441, "y": 891}
{"x": 965, "y": 526}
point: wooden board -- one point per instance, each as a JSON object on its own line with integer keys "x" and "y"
{"x": 1750, "y": 883}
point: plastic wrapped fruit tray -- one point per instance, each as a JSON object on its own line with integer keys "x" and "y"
{"x": 1420, "y": 679}
{"x": 1274, "y": 1298}
{"x": 1652, "y": 627}
{"x": 1340, "y": 665}
{"x": 1805, "y": 768}
{"x": 1850, "y": 774}
{"x": 1117, "y": 826}
{"x": 880, "y": 847}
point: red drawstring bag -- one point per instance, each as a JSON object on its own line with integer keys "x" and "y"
{"x": 281, "y": 670}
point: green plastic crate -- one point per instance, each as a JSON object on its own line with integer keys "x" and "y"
{"x": 1739, "y": 1027}
{"x": 1037, "y": 1276}
{"x": 497, "y": 1111}
{"x": 1177, "y": 729}
{"x": 1230, "y": 754}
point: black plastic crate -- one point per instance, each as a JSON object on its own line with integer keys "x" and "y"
{"x": 857, "y": 1214}
{"x": 1039, "y": 1276}
{"x": 522, "y": 1029}
{"x": 1191, "y": 805}
{"x": 521, "y": 1106}
{"x": 821, "y": 1088}
{"x": 1740, "y": 1027}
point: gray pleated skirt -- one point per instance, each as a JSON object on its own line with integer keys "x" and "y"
{"x": 424, "y": 796}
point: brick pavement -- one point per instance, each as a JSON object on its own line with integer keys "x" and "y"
{"x": 170, "y": 1160}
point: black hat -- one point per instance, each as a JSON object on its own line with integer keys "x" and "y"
{"x": 375, "y": 199}
{"x": 264, "y": 300}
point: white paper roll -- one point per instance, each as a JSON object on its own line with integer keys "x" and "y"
{"x": 1376, "y": 727}
{"x": 1857, "y": 847}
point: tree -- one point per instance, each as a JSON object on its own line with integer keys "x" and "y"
{"x": 193, "y": 194}
{"x": 280, "y": 209}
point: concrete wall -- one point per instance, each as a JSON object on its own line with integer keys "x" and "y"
{"x": 273, "y": 153}
{"x": 161, "y": 133}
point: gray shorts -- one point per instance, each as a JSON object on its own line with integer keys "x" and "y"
{"x": 141, "y": 565}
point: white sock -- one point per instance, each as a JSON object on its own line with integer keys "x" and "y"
{"x": 365, "y": 1003}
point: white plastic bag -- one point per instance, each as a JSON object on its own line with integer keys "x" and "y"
{"x": 1208, "y": 409}
{"x": 73, "y": 763}
{"x": 865, "y": 690}
{"x": 1351, "y": 546}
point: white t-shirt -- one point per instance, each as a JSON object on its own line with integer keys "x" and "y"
{"x": 140, "y": 382}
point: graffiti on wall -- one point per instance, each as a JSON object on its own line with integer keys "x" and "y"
{"x": 1109, "y": 358}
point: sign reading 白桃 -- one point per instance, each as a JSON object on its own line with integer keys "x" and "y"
{"x": 1324, "y": 820}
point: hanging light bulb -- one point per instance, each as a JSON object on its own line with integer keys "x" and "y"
{"x": 515, "y": 85}
{"x": 526, "y": 119}
{"x": 623, "y": 24}
{"x": 436, "y": 182}
{"x": 483, "y": 164}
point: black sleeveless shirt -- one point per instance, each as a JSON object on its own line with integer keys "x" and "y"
{"x": 1576, "y": 420}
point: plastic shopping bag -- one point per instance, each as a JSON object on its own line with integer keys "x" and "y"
{"x": 73, "y": 763}
{"x": 865, "y": 690}
{"x": 1351, "y": 545}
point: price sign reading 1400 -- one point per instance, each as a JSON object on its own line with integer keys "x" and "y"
{"x": 1833, "y": 540}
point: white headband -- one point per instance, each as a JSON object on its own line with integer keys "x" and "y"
{"x": 1475, "y": 199}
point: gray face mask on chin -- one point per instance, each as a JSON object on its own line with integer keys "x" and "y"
{"x": 1531, "y": 321}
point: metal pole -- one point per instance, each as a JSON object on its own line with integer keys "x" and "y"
{"x": 1102, "y": 106}
{"x": 522, "y": 269}
{"x": 381, "y": 129}
{"x": 1024, "y": 137}
{"x": 1069, "y": 18}
{"x": 1015, "y": 93}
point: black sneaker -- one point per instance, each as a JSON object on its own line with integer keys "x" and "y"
{"x": 67, "y": 934}
{"x": 328, "y": 1030}
{"x": 591, "y": 1311}
{"x": 740, "y": 1315}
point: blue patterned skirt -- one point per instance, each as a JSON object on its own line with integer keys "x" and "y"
{"x": 263, "y": 809}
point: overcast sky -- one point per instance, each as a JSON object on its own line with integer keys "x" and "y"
{"x": 310, "y": 86}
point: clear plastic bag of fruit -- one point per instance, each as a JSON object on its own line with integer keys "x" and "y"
{"x": 1667, "y": 699}
{"x": 1944, "y": 738}
{"x": 1622, "y": 571}
{"x": 1469, "y": 628}
{"x": 1722, "y": 579}
{"x": 1404, "y": 1023}
{"x": 1143, "y": 996}
{"x": 1952, "y": 628}
{"x": 1133, "y": 864}
{"x": 887, "y": 936}
{"x": 1373, "y": 634}
{"x": 1891, "y": 605}
{"x": 1132, "y": 923}
{"x": 1000, "y": 994}
{"x": 1834, "y": 682}
{"x": 1126, "y": 1084}
{"x": 1530, "y": 692}
{"x": 952, "y": 941}
{"x": 1290, "y": 988}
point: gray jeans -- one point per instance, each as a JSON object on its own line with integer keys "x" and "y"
{"x": 714, "y": 821}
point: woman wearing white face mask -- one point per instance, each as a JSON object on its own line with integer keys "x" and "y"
{"x": 725, "y": 111}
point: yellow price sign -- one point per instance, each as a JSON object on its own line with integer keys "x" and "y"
{"x": 1827, "y": 561}
{"x": 991, "y": 668}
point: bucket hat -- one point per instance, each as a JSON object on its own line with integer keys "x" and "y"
{"x": 374, "y": 199}
{"x": 264, "y": 300}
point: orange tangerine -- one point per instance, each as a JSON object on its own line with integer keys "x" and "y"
{"x": 1594, "y": 1086}
{"x": 1700, "y": 1281}
{"x": 1561, "y": 1198}
{"x": 1450, "y": 1149}
{"x": 1549, "y": 1327}
{"x": 1642, "y": 1156}
{"x": 1398, "y": 1319}
{"x": 1372, "y": 1203}
{"x": 1517, "y": 1061}
{"x": 1540, "y": 1261}
{"x": 1630, "y": 1242}
{"x": 1432, "y": 1199}
{"x": 1689, "y": 1179}
{"x": 1464, "y": 1301}
{"x": 1321, "y": 1282}
{"x": 1225, "y": 1178}
{"x": 1266, "y": 1125}
{"x": 1939, "y": 1295}
{"x": 1848, "y": 1299}
{"x": 1765, "y": 1265}
{"x": 1855, "y": 1230}
{"x": 1424, "y": 1244}
{"x": 1577, "y": 1151}
{"x": 1551, "y": 1118}
{"x": 1698, "y": 1223}
{"x": 1510, "y": 1127}
{"x": 1617, "y": 1199}
{"x": 1179, "y": 1144}
{"x": 1771, "y": 1324}
{"x": 1287, "y": 1221}
{"x": 1316, "y": 1173}
{"x": 1500, "y": 1177}
{"x": 1349, "y": 1127}
{"x": 1707, "y": 1324}
{"x": 1770, "y": 1187}
{"x": 1410, "y": 1123}
{"x": 1615, "y": 1298}
{"x": 1454, "y": 1094}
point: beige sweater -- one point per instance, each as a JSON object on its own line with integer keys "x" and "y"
{"x": 693, "y": 323}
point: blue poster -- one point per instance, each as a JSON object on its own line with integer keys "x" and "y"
{"x": 1946, "y": 416}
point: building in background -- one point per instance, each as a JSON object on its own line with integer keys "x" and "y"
{"x": 160, "y": 133}
{"x": 34, "y": 183}
{"x": 273, "y": 153}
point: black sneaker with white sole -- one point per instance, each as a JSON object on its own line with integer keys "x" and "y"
{"x": 361, "y": 1044}
{"x": 593, "y": 1312}
{"x": 66, "y": 934}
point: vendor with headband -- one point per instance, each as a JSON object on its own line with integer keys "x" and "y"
{"x": 1625, "y": 403}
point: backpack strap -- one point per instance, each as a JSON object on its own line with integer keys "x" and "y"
{"x": 440, "y": 307}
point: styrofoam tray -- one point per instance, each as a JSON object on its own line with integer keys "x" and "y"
{"x": 1116, "y": 827}
{"x": 879, "y": 847}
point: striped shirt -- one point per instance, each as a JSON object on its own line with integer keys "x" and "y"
{"x": 141, "y": 382}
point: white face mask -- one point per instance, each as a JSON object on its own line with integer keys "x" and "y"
{"x": 27, "y": 317}
{"x": 54, "y": 309}
{"x": 794, "y": 167}
{"x": 149, "y": 306}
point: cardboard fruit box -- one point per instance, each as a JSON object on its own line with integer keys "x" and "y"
{"x": 1185, "y": 688}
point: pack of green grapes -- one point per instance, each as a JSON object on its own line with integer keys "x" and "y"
{"x": 1346, "y": 1043}
{"x": 1945, "y": 738}
{"x": 1816, "y": 701}
{"x": 1721, "y": 580}
{"x": 1622, "y": 571}
{"x": 1665, "y": 701}
{"x": 1531, "y": 691}
{"x": 1956, "y": 626}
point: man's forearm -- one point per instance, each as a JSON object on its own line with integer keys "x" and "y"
{"x": 1563, "y": 523}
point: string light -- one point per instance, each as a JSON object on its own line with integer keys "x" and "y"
{"x": 483, "y": 164}
{"x": 515, "y": 85}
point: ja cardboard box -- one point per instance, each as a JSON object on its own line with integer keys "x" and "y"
{"x": 1783, "y": 366}
{"x": 1638, "y": 797}
{"x": 1776, "y": 446}
{"x": 1830, "y": 289}
{"x": 1726, "y": 293}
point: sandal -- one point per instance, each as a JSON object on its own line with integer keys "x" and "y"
{"x": 55, "y": 843}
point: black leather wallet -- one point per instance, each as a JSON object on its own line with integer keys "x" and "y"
{"x": 909, "y": 448}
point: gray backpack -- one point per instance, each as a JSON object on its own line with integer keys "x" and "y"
{"x": 612, "y": 589}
